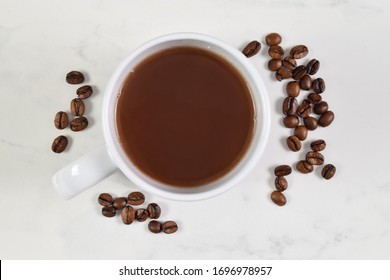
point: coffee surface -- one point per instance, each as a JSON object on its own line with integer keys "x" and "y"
{"x": 185, "y": 116}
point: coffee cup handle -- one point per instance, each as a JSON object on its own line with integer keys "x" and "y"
{"x": 83, "y": 173}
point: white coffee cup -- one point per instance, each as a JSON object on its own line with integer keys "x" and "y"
{"x": 98, "y": 164}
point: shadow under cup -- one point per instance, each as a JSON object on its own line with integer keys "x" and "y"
{"x": 261, "y": 117}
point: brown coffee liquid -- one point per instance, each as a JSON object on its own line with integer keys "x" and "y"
{"x": 185, "y": 116}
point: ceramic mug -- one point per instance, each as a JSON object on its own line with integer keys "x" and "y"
{"x": 100, "y": 163}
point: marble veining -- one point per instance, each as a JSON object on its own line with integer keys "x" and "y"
{"x": 347, "y": 217}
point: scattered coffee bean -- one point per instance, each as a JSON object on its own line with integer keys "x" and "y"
{"x": 154, "y": 211}
{"x": 74, "y": 77}
{"x": 282, "y": 170}
{"x": 328, "y": 171}
{"x": 291, "y": 121}
{"x": 290, "y": 105}
{"x": 310, "y": 123}
{"x": 294, "y": 143}
{"x": 252, "y": 48}
{"x": 304, "y": 110}
{"x": 274, "y": 64}
{"x": 283, "y": 74}
{"x": 276, "y": 52}
{"x": 318, "y": 145}
{"x": 301, "y": 132}
{"x": 326, "y": 119}
{"x": 59, "y": 144}
{"x": 320, "y": 108}
{"x": 136, "y": 198}
{"x": 169, "y": 227}
{"x": 299, "y": 72}
{"x": 108, "y": 211}
{"x": 313, "y": 66}
{"x": 318, "y": 85}
{"x": 273, "y": 39}
{"x": 314, "y": 98}
{"x": 79, "y": 123}
{"x": 119, "y": 203}
{"x": 141, "y": 215}
{"x": 293, "y": 89}
{"x": 299, "y": 51}
{"x": 84, "y": 92}
{"x": 61, "y": 120}
{"x": 278, "y": 198}
{"x": 77, "y": 107}
{"x": 128, "y": 215}
{"x": 155, "y": 226}
{"x": 281, "y": 183}
{"x": 304, "y": 167}
{"x": 315, "y": 158}
{"x": 305, "y": 82}
{"x": 105, "y": 199}
{"x": 289, "y": 63}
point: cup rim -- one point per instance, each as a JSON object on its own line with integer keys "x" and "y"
{"x": 110, "y": 139}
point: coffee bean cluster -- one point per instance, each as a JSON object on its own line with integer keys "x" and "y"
{"x": 302, "y": 116}
{"x": 77, "y": 110}
{"x": 125, "y": 205}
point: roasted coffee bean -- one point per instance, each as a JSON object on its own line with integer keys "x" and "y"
{"x": 154, "y": 211}
{"x": 78, "y": 124}
{"x": 289, "y": 63}
{"x": 320, "y": 108}
{"x": 274, "y": 64}
{"x": 278, "y": 198}
{"x": 74, "y": 77}
{"x": 315, "y": 158}
{"x": 328, "y": 171}
{"x": 326, "y": 119}
{"x": 305, "y": 82}
{"x": 304, "y": 167}
{"x": 293, "y": 89}
{"x": 59, "y": 144}
{"x": 290, "y": 105}
{"x": 318, "y": 85}
{"x": 283, "y": 74}
{"x": 169, "y": 227}
{"x": 314, "y": 98}
{"x": 310, "y": 123}
{"x": 312, "y": 67}
{"x": 105, "y": 199}
{"x": 252, "y": 48}
{"x": 84, "y": 92}
{"x": 299, "y": 51}
{"x": 304, "y": 110}
{"x": 155, "y": 226}
{"x": 301, "y": 132}
{"x": 299, "y": 72}
{"x": 281, "y": 183}
{"x": 276, "y": 52}
{"x": 294, "y": 143}
{"x": 128, "y": 215}
{"x": 282, "y": 170}
{"x": 318, "y": 145}
{"x": 77, "y": 107}
{"x": 108, "y": 211}
{"x": 61, "y": 120}
{"x": 291, "y": 121}
{"x": 119, "y": 203}
{"x": 141, "y": 215}
{"x": 135, "y": 198}
{"x": 273, "y": 39}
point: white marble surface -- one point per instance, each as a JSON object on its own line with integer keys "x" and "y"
{"x": 344, "y": 218}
